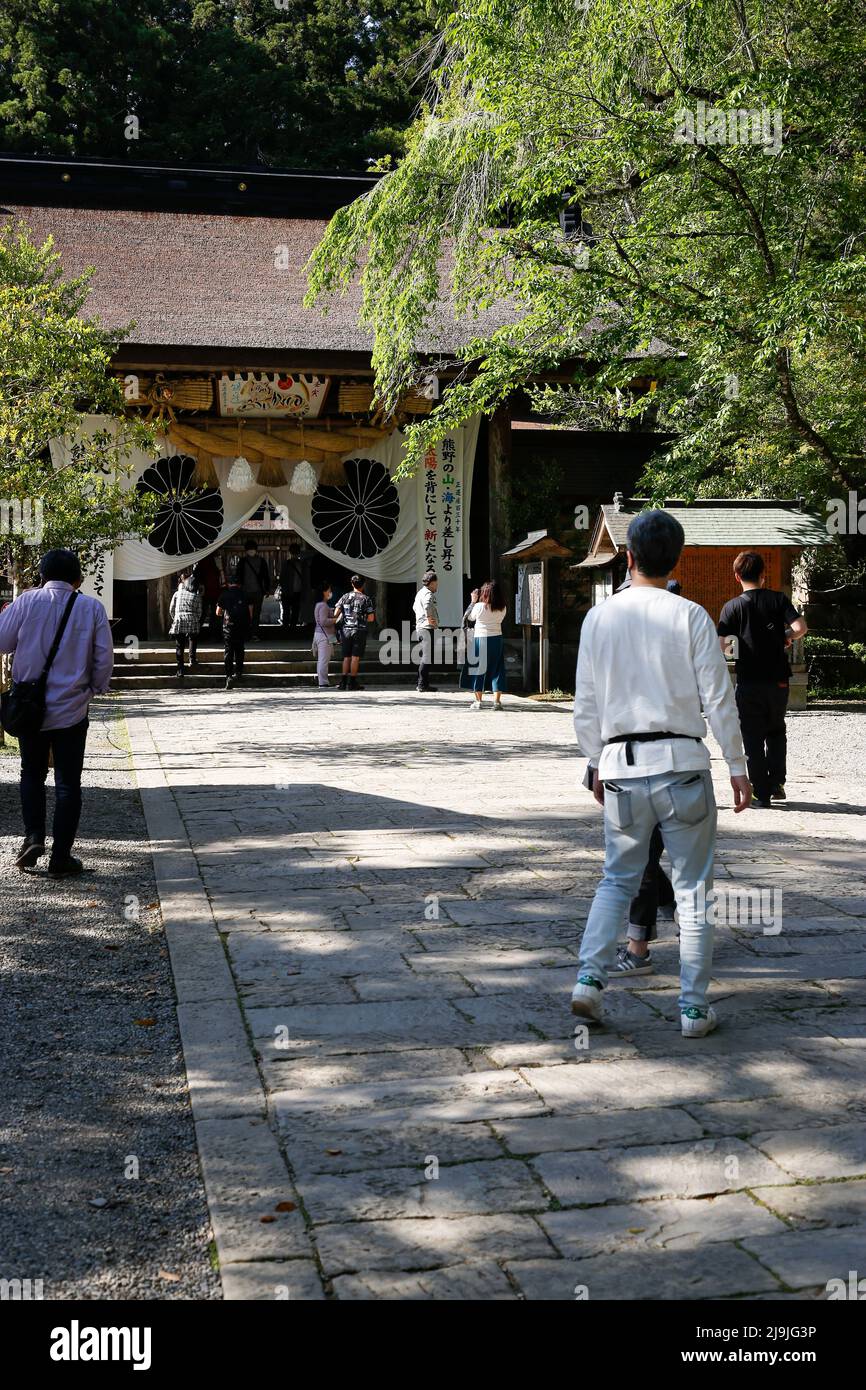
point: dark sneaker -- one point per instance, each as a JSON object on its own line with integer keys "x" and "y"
{"x": 180, "y": 673}
{"x": 762, "y": 803}
{"x": 344, "y": 683}
{"x": 65, "y": 868}
{"x": 778, "y": 793}
{"x": 353, "y": 685}
{"x": 230, "y": 682}
{"x": 32, "y": 849}
{"x": 629, "y": 964}
{"x": 427, "y": 689}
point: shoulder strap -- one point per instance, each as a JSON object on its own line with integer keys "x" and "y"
{"x": 59, "y": 633}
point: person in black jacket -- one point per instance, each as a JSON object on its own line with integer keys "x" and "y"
{"x": 291, "y": 588}
{"x": 757, "y": 628}
{"x": 254, "y": 578}
{"x": 236, "y": 612}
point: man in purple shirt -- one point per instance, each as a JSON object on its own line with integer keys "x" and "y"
{"x": 81, "y": 669}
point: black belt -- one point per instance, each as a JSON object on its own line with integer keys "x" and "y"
{"x": 629, "y": 739}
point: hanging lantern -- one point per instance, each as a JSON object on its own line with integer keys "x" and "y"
{"x": 241, "y": 476}
{"x": 304, "y": 481}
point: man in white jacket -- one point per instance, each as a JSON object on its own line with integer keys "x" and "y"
{"x": 649, "y": 663}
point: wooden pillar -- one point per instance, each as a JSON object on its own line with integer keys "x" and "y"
{"x": 159, "y": 592}
{"x": 499, "y": 486}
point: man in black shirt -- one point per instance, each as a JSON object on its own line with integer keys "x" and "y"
{"x": 353, "y": 615}
{"x": 254, "y": 578}
{"x": 236, "y": 610}
{"x": 291, "y": 588}
{"x": 756, "y": 629}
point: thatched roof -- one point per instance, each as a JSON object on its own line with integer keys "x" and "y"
{"x": 208, "y": 280}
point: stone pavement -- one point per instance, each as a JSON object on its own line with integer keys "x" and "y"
{"x": 373, "y": 905}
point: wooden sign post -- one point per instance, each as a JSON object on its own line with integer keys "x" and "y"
{"x": 532, "y": 609}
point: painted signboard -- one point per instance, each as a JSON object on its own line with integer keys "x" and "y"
{"x": 272, "y": 394}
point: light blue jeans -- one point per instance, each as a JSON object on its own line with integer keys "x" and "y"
{"x": 683, "y": 806}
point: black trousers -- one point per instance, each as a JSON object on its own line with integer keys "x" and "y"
{"x": 68, "y": 750}
{"x": 180, "y": 642}
{"x": 256, "y": 601}
{"x": 762, "y": 721}
{"x": 290, "y": 609}
{"x": 655, "y": 891}
{"x": 425, "y": 665}
{"x": 233, "y": 647}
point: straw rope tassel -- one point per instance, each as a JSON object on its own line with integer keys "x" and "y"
{"x": 270, "y": 471}
{"x": 332, "y": 472}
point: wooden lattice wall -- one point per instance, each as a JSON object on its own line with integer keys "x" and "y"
{"x": 707, "y": 576}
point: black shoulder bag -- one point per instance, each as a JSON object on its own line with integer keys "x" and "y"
{"x": 22, "y": 706}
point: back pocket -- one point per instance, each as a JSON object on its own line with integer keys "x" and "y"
{"x": 617, "y": 806}
{"x": 689, "y": 799}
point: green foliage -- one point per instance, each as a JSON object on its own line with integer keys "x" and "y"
{"x": 535, "y": 496}
{"x": 834, "y": 666}
{"x": 53, "y": 365}
{"x": 733, "y": 275}
{"x": 816, "y": 645}
{"x": 301, "y": 83}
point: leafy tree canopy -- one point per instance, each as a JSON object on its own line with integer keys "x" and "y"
{"x": 709, "y": 157}
{"x": 299, "y": 83}
{"x": 53, "y": 365}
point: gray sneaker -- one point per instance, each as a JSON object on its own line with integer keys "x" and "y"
{"x": 628, "y": 964}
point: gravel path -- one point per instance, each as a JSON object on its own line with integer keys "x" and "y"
{"x": 100, "y": 1190}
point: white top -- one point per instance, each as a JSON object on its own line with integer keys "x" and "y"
{"x": 424, "y": 608}
{"x": 649, "y": 661}
{"x": 488, "y": 621}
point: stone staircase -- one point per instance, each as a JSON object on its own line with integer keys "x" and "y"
{"x": 271, "y": 664}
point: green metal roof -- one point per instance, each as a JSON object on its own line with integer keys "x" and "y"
{"x": 741, "y": 522}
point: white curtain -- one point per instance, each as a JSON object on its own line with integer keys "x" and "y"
{"x": 386, "y": 542}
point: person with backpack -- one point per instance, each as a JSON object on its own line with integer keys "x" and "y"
{"x": 185, "y": 611}
{"x": 254, "y": 578}
{"x": 353, "y": 617}
{"x": 236, "y": 611}
{"x": 64, "y": 656}
{"x": 760, "y": 625}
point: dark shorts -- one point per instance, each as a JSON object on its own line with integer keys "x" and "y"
{"x": 353, "y": 643}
